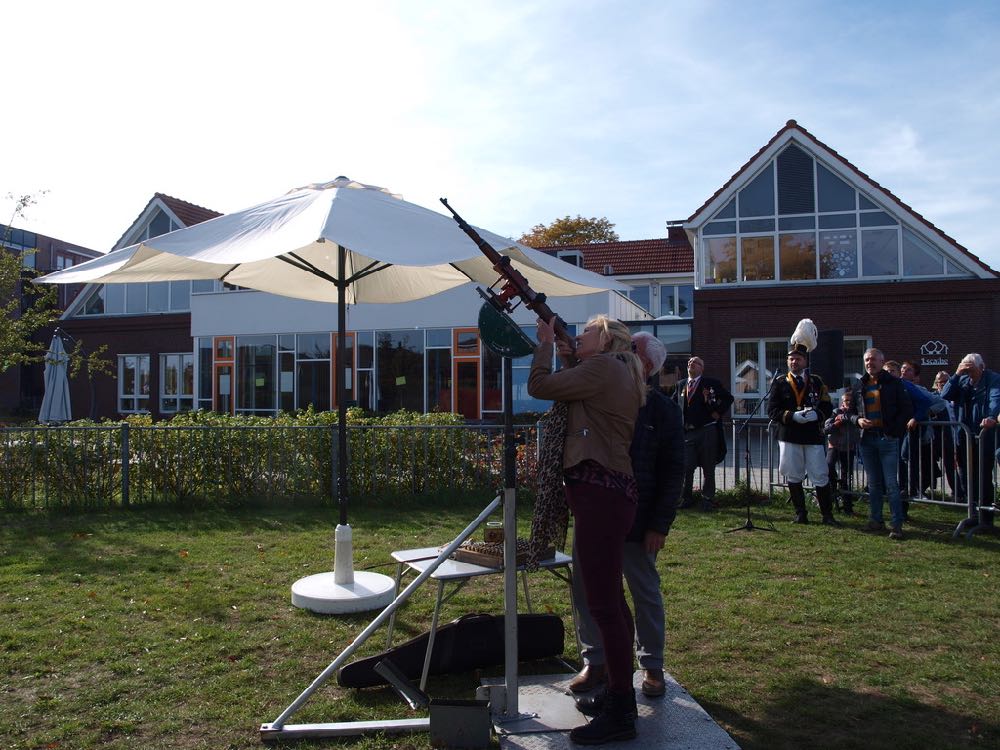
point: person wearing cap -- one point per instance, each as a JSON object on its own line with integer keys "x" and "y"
{"x": 800, "y": 404}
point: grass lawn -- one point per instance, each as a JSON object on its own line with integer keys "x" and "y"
{"x": 171, "y": 629}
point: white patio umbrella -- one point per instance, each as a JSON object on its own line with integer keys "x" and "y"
{"x": 342, "y": 242}
{"x": 55, "y": 403}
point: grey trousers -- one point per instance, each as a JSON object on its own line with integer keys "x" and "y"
{"x": 650, "y": 621}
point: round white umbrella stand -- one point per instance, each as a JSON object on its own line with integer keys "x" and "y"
{"x": 342, "y": 591}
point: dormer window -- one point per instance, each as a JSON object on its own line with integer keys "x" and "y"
{"x": 573, "y": 257}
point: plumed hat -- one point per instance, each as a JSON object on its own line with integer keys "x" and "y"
{"x": 803, "y": 338}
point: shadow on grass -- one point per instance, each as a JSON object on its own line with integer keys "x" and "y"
{"x": 111, "y": 542}
{"x": 808, "y": 714}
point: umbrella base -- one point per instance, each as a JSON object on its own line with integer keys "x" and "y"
{"x": 321, "y": 593}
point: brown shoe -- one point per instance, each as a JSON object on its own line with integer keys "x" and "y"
{"x": 653, "y": 685}
{"x": 590, "y": 677}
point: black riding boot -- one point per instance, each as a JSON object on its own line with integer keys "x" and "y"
{"x": 825, "y": 498}
{"x": 615, "y": 722}
{"x": 798, "y": 496}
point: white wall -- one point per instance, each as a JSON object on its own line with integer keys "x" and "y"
{"x": 250, "y": 312}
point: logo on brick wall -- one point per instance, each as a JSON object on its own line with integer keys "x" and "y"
{"x": 934, "y": 352}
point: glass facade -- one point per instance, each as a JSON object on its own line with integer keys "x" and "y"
{"x": 420, "y": 370}
{"x": 824, "y": 229}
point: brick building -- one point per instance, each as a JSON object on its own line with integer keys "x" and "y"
{"x": 800, "y": 232}
{"x": 22, "y": 387}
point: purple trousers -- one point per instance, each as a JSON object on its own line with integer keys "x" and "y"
{"x": 602, "y": 517}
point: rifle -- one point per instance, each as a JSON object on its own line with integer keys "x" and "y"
{"x": 514, "y": 284}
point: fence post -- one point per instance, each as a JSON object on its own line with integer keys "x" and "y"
{"x": 124, "y": 461}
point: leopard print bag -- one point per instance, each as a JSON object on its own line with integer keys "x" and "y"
{"x": 550, "y": 518}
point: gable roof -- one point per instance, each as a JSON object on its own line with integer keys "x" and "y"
{"x": 186, "y": 214}
{"x": 792, "y": 131}
{"x": 671, "y": 254}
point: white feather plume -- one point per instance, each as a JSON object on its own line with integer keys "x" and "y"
{"x": 805, "y": 333}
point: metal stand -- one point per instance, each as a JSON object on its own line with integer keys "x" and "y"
{"x": 277, "y": 729}
{"x": 744, "y": 431}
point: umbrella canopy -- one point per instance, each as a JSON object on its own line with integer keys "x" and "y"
{"x": 395, "y": 251}
{"x": 55, "y": 404}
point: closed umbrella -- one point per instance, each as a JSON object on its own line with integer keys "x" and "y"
{"x": 55, "y": 403}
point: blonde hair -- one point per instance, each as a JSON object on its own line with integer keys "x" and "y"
{"x": 615, "y": 338}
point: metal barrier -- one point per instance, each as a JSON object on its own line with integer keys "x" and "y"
{"x": 120, "y": 465}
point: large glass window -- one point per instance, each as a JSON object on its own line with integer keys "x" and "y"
{"x": 176, "y": 382}
{"x": 685, "y": 300}
{"x": 312, "y": 371}
{"x": 492, "y": 381}
{"x": 919, "y": 258}
{"x": 797, "y": 256}
{"x": 757, "y": 258}
{"x": 823, "y": 227}
{"x": 439, "y": 379}
{"x": 880, "y": 252}
{"x": 838, "y": 255}
{"x": 757, "y": 198}
{"x": 720, "y": 260}
{"x": 256, "y": 363}
{"x": 400, "y": 368}
{"x": 364, "y": 393}
{"x": 133, "y": 383}
{"x": 205, "y": 373}
{"x": 640, "y": 295}
{"x": 157, "y": 296}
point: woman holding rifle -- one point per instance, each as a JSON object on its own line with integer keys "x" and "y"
{"x": 603, "y": 393}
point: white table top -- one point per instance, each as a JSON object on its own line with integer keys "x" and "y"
{"x": 417, "y": 559}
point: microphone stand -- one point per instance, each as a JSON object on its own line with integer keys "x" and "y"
{"x": 745, "y": 433}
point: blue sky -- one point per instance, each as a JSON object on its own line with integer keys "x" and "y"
{"x": 519, "y": 112}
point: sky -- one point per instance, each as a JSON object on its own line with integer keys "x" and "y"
{"x": 518, "y": 112}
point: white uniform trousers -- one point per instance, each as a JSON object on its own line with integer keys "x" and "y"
{"x": 796, "y": 461}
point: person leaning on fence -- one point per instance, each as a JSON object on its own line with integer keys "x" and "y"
{"x": 604, "y": 393}
{"x": 658, "y": 464}
{"x": 975, "y": 391}
{"x": 882, "y": 408}
{"x": 703, "y": 401}
{"x": 841, "y": 448}
{"x": 916, "y": 448}
{"x": 943, "y": 445}
{"x": 799, "y": 404}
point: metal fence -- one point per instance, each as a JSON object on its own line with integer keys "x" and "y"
{"x": 121, "y": 465}
{"x": 941, "y": 463}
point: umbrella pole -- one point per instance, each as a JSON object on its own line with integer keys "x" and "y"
{"x": 343, "y": 563}
{"x": 342, "y": 590}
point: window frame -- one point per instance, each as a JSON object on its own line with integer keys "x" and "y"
{"x": 136, "y": 396}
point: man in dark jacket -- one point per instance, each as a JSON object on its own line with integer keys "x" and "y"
{"x": 657, "y": 462}
{"x": 800, "y": 404}
{"x": 882, "y": 407}
{"x": 703, "y": 401}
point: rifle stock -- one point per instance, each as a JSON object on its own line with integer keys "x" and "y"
{"x": 515, "y": 284}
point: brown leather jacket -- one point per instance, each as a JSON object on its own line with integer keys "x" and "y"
{"x": 603, "y": 404}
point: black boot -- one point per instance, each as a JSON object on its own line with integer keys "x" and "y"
{"x": 798, "y": 496}
{"x": 616, "y": 721}
{"x": 593, "y": 705}
{"x": 823, "y": 495}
